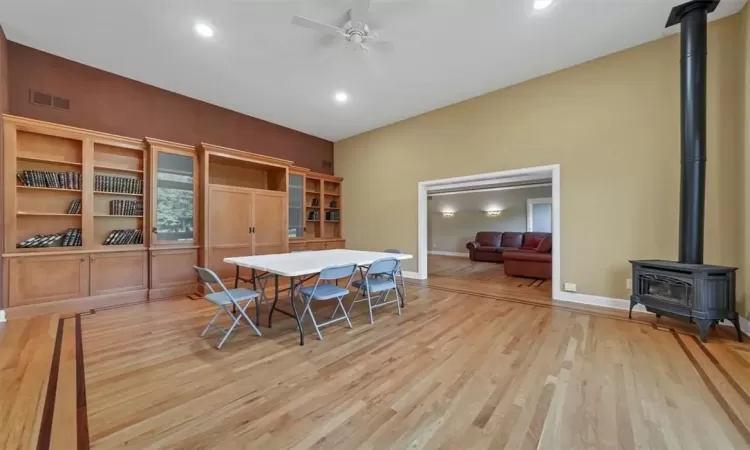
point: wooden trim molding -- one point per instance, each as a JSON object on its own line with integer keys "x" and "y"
{"x": 324, "y": 176}
{"x": 240, "y": 154}
{"x": 54, "y": 129}
{"x": 153, "y": 142}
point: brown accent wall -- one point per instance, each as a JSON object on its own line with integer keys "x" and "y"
{"x": 110, "y": 103}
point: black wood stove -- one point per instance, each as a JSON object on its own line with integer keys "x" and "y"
{"x": 688, "y": 289}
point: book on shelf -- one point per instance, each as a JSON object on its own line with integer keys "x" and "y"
{"x": 56, "y": 180}
{"x": 75, "y": 207}
{"x": 122, "y": 185}
{"x": 69, "y": 238}
{"x": 124, "y": 237}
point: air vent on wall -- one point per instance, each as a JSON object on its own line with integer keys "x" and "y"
{"x": 50, "y": 101}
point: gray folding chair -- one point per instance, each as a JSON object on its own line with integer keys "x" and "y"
{"x": 399, "y": 273}
{"x": 325, "y": 290}
{"x": 379, "y": 279}
{"x": 224, "y": 299}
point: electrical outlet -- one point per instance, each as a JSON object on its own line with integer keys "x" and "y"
{"x": 628, "y": 284}
{"x": 570, "y": 287}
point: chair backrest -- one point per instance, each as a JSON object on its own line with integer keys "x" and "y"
{"x": 208, "y": 276}
{"x": 393, "y": 250}
{"x": 387, "y": 266}
{"x": 337, "y": 272}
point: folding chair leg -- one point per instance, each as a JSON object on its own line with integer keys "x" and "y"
{"x": 312, "y": 317}
{"x": 398, "y": 301}
{"x": 343, "y": 310}
{"x": 229, "y": 331}
{"x": 369, "y": 307}
{"x": 205, "y": 330}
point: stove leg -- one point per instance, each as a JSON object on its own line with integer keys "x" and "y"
{"x": 630, "y": 313}
{"x": 703, "y": 327}
{"x": 736, "y": 323}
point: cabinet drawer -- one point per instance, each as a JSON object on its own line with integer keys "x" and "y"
{"x": 334, "y": 244}
{"x": 171, "y": 268}
{"x": 297, "y": 246}
{"x": 118, "y": 272}
{"x": 316, "y": 246}
{"x": 42, "y": 279}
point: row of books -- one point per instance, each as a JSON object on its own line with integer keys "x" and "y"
{"x": 74, "y": 208}
{"x": 41, "y": 178}
{"x": 313, "y": 215}
{"x": 124, "y": 237}
{"x": 332, "y": 215}
{"x": 70, "y": 238}
{"x": 125, "y": 208}
{"x": 316, "y": 202}
{"x": 122, "y": 185}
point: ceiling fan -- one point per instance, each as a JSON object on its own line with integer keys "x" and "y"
{"x": 354, "y": 27}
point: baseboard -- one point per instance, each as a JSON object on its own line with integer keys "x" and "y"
{"x": 439, "y": 253}
{"x": 413, "y": 275}
{"x": 618, "y": 303}
{"x": 2, "y": 315}
{"x": 595, "y": 300}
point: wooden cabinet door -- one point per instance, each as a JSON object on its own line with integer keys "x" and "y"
{"x": 118, "y": 272}
{"x": 316, "y": 246}
{"x": 270, "y": 223}
{"x": 170, "y": 268}
{"x": 41, "y": 279}
{"x": 229, "y": 221}
{"x": 297, "y": 246}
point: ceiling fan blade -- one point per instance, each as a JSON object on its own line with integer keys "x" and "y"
{"x": 346, "y": 17}
{"x": 380, "y": 46}
{"x": 317, "y": 26}
{"x": 359, "y": 11}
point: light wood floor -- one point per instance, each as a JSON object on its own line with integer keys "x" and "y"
{"x": 503, "y": 369}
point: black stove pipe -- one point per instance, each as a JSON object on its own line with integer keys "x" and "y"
{"x": 693, "y": 17}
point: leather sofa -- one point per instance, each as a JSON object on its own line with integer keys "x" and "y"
{"x": 524, "y": 254}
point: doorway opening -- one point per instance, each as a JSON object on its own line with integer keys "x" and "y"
{"x": 451, "y": 209}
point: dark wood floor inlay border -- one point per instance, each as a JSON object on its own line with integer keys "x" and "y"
{"x": 736, "y": 421}
{"x": 45, "y": 429}
{"x": 82, "y": 419}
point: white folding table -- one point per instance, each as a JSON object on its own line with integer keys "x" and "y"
{"x": 302, "y": 266}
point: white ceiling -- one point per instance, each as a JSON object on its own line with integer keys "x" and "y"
{"x": 261, "y": 65}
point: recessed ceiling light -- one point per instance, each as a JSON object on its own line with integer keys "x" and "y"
{"x": 542, "y": 4}
{"x": 341, "y": 96}
{"x": 204, "y": 30}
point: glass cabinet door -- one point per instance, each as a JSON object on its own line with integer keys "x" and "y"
{"x": 296, "y": 206}
{"x": 174, "y": 196}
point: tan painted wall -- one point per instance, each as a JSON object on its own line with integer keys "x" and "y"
{"x": 613, "y": 126}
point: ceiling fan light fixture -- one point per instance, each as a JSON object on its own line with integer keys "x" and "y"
{"x": 203, "y": 29}
{"x": 341, "y": 97}
{"x": 542, "y": 4}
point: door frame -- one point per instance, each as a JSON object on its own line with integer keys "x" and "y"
{"x": 529, "y": 205}
{"x": 487, "y": 179}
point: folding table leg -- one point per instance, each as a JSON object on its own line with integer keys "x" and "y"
{"x": 275, "y": 300}
{"x": 296, "y": 316}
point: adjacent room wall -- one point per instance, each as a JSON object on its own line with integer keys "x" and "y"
{"x": 110, "y": 103}
{"x": 450, "y": 234}
{"x": 3, "y": 109}
{"x": 613, "y": 125}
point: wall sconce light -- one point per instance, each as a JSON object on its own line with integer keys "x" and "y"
{"x": 448, "y": 213}
{"x": 493, "y": 213}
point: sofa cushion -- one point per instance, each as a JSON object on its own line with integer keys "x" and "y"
{"x": 488, "y": 238}
{"x": 531, "y": 240}
{"x": 511, "y": 239}
{"x": 545, "y": 246}
{"x": 528, "y": 256}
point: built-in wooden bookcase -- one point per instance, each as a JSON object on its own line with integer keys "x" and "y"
{"x": 50, "y": 168}
{"x": 322, "y": 220}
{"x": 49, "y": 190}
{"x": 244, "y": 206}
{"x": 332, "y": 208}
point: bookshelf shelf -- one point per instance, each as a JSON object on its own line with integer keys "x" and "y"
{"x": 39, "y": 188}
{"x": 118, "y": 193}
{"x": 48, "y": 161}
{"x": 44, "y": 214}
{"x": 116, "y": 215}
{"x": 313, "y": 192}
{"x": 117, "y": 169}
